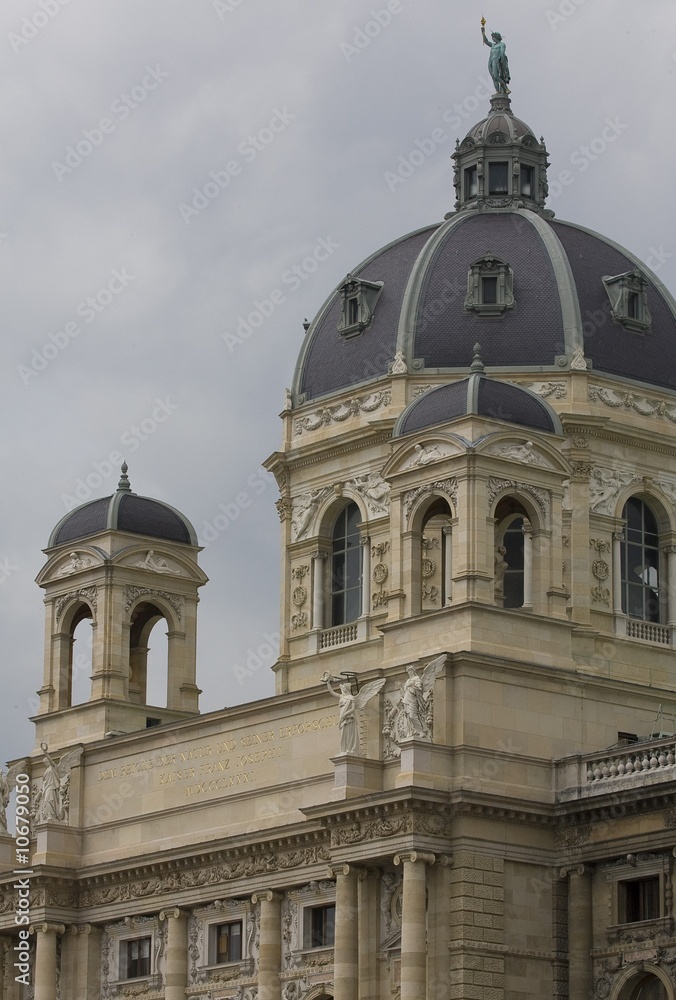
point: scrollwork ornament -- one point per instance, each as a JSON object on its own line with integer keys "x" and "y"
{"x": 448, "y": 487}
{"x": 88, "y": 594}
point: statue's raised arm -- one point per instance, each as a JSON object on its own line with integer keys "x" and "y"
{"x": 498, "y": 66}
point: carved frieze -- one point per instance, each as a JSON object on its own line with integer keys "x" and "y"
{"x": 497, "y": 486}
{"x": 556, "y": 389}
{"x": 632, "y": 401}
{"x": 339, "y": 413}
{"x": 448, "y": 487}
{"x": 522, "y": 453}
{"x": 374, "y": 491}
{"x": 304, "y": 510}
{"x": 604, "y": 486}
{"x": 87, "y": 594}
{"x": 175, "y": 600}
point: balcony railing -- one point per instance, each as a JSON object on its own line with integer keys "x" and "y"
{"x": 638, "y": 758}
{"x": 649, "y": 631}
{"x": 338, "y": 636}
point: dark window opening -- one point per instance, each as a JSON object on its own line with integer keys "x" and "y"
{"x": 489, "y": 290}
{"x": 633, "y": 305}
{"x": 514, "y": 557}
{"x": 639, "y": 900}
{"x": 352, "y": 312}
{"x": 527, "y": 176}
{"x": 346, "y": 567}
{"x": 319, "y": 926}
{"x": 640, "y": 562}
{"x": 471, "y": 185}
{"x": 227, "y": 942}
{"x": 498, "y": 178}
{"x": 136, "y": 955}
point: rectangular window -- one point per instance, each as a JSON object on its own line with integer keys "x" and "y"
{"x": 639, "y": 899}
{"x": 352, "y": 311}
{"x": 489, "y": 290}
{"x": 527, "y": 175}
{"x": 135, "y": 958}
{"x": 471, "y": 188}
{"x": 633, "y": 305}
{"x": 319, "y": 926}
{"x": 498, "y": 178}
{"x": 225, "y": 943}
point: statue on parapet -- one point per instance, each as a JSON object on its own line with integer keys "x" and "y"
{"x": 498, "y": 66}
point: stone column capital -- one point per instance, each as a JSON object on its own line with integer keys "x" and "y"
{"x": 319, "y": 554}
{"x": 173, "y": 913}
{"x": 76, "y": 929}
{"x": 265, "y": 896}
{"x": 342, "y": 868}
{"x": 571, "y": 870}
{"x": 47, "y": 928}
{"x": 413, "y": 856}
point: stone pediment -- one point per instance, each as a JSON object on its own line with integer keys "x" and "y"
{"x": 428, "y": 450}
{"x": 524, "y": 450}
{"x": 76, "y": 561}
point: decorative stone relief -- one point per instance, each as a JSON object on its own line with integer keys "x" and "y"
{"x": 558, "y": 390}
{"x": 601, "y": 571}
{"x": 380, "y": 574}
{"x": 430, "y": 571}
{"x": 51, "y": 804}
{"x": 574, "y": 836}
{"x": 449, "y": 487}
{"x": 220, "y": 911}
{"x": 497, "y": 486}
{"x": 175, "y": 600}
{"x": 299, "y": 597}
{"x": 398, "y": 366}
{"x": 75, "y": 563}
{"x": 578, "y": 362}
{"x": 284, "y": 508}
{"x": 418, "y": 390}
{"x": 413, "y": 714}
{"x": 304, "y": 510}
{"x": 330, "y": 414}
{"x": 374, "y": 491}
{"x": 88, "y": 594}
{"x": 427, "y": 454}
{"x": 566, "y": 503}
{"x": 156, "y": 564}
{"x": 390, "y": 902}
{"x": 668, "y": 488}
{"x": 604, "y": 485}
{"x": 631, "y": 401}
{"x": 522, "y": 453}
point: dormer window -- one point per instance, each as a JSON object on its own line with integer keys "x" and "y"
{"x": 471, "y": 183}
{"x": 490, "y": 287}
{"x": 628, "y": 294}
{"x": 498, "y": 178}
{"x": 359, "y": 299}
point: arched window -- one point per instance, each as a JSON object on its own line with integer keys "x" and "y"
{"x": 435, "y": 557}
{"x": 513, "y": 555}
{"x": 346, "y": 567}
{"x": 640, "y": 562}
{"x": 648, "y": 988}
{"x": 144, "y": 619}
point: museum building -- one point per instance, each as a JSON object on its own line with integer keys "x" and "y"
{"x": 464, "y": 786}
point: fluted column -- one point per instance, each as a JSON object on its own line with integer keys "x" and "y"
{"x": 45, "y": 959}
{"x": 176, "y": 975}
{"x": 580, "y": 973}
{"x": 414, "y": 924}
{"x": 270, "y": 950}
{"x": 346, "y": 942}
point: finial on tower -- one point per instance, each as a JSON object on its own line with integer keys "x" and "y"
{"x": 477, "y": 364}
{"x": 124, "y": 486}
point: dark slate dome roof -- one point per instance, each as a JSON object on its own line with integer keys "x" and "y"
{"x": 505, "y": 126}
{"x": 561, "y": 306}
{"x": 480, "y": 395}
{"x": 124, "y": 511}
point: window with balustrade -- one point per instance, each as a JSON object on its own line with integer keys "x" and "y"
{"x": 346, "y": 567}
{"x": 641, "y": 570}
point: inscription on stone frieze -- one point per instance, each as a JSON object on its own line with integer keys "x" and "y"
{"x": 229, "y": 761}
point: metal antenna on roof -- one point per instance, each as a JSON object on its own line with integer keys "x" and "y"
{"x": 124, "y": 486}
{"x": 477, "y": 364}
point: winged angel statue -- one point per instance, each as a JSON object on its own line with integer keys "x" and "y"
{"x": 52, "y": 800}
{"x": 350, "y": 707}
{"x": 7, "y": 783}
{"x": 412, "y": 716}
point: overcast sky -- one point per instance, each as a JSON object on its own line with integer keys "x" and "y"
{"x": 114, "y": 116}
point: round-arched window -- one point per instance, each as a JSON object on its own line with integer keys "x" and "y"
{"x": 640, "y": 562}
{"x": 648, "y": 988}
{"x": 346, "y": 570}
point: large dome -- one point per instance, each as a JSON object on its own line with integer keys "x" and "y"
{"x": 562, "y": 289}
{"x": 124, "y": 511}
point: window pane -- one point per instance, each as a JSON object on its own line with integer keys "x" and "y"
{"x": 640, "y": 562}
{"x": 471, "y": 182}
{"x": 498, "y": 178}
{"x": 489, "y": 290}
{"x": 527, "y": 181}
{"x": 346, "y": 567}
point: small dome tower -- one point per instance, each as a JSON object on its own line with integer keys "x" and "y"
{"x": 124, "y": 562}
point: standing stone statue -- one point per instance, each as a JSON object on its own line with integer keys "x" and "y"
{"x": 52, "y": 800}
{"x": 498, "y": 66}
{"x": 350, "y": 707}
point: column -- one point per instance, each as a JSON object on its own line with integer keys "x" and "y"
{"x": 369, "y": 886}
{"x": 527, "y": 565}
{"x": 45, "y": 959}
{"x": 448, "y": 564}
{"x": 346, "y": 943}
{"x": 439, "y": 936}
{"x": 176, "y": 975}
{"x": 365, "y": 576}
{"x": 270, "y": 951}
{"x": 670, "y": 552}
{"x": 318, "y": 589}
{"x": 81, "y": 962}
{"x": 580, "y": 973}
{"x": 618, "y": 538}
{"x": 413, "y": 924}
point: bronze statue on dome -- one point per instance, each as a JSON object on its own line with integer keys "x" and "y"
{"x": 498, "y": 66}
